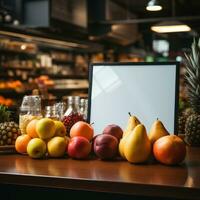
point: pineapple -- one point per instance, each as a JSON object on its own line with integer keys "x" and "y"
{"x": 192, "y": 126}
{"x": 9, "y": 130}
{"x": 182, "y": 119}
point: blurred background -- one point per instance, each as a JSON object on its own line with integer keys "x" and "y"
{"x": 46, "y": 46}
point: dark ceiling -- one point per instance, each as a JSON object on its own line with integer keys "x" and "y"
{"x": 171, "y": 8}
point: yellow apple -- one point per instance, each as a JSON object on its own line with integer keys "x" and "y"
{"x": 57, "y": 146}
{"x": 45, "y": 128}
{"x": 36, "y": 148}
{"x": 60, "y": 129}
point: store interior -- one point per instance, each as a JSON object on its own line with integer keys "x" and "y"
{"x": 49, "y": 45}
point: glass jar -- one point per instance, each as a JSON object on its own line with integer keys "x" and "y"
{"x": 72, "y": 114}
{"x": 60, "y": 110}
{"x": 30, "y": 109}
{"x": 50, "y": 112}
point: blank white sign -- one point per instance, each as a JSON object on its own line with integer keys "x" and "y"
{"x": 148, "y": 91}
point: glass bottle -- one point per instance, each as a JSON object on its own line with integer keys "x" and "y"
{"x": 86, "y": 109}
{"x": 30, "y": 109}
{"x": 83, "y": 108}
{"x": 72, "y": 114}
{"x": 50, "y": 112}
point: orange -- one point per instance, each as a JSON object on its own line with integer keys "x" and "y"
{"x": 31, "y": 128}
{"x": 169, "y": 150}
{"x": 21, "y": 143}
{"x": 82, "y": 129}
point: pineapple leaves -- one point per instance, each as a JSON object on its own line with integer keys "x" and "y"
{"x": 192, "y": 75}
{"x": 4, "y": 114}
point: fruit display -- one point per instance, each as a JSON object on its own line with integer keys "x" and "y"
{"x": 46, "y": 138}
{"x": 43, "y": 137}
{"x": 9, "y": 130}
{"x": 192, "y": 128}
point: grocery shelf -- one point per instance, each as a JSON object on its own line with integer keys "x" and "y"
{"x": 16, "y": 68}
{"x": 12, "y": 93}
{"x": 52, "y": 76}
{"x": 62, "y": 62}
{"x": 22, "y": 53}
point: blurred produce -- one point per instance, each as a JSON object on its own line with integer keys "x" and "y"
{"x": 6, "y": 101}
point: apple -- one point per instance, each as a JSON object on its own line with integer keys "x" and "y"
{"x": 60, "y": 129}
{"x": 169, "y": 150}
{"x": 45, "y": 128}
{"x": 113, "y": 130}
{"x": 106, "y": 146}
{"x": 56, "y": 146}
{"x": 79, "y": 147}
{"x": 36, "y": 148}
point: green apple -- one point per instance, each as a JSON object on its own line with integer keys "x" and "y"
{"x": 45, "y": 128}
{"x": 57, "y": 146}
{"x": 36, "y": 148}
{"x": 60, "y": 129}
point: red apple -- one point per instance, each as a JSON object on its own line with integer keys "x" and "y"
{"x": 79, "y": 147}
{"x": 169, "y": 150}
{"x": 106, "y": 146}
{"x": 113, "y": 130}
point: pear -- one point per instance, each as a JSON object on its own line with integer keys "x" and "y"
{"x": 133, "y": 121}
{"x": 157, "y": 131}
{"x": 137, "y": 148}
{"x": 122, "y": 144}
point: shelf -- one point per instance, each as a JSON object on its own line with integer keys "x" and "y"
{"x": 116, "y": 177}
{"x": 11, "y": 93}
{"x": 16, "y": 68}
{"x": 20, "y": 53}
{"x": 62, "y": 62}
{"x": 52, "y": 76}
{"x": 60, "y": 76}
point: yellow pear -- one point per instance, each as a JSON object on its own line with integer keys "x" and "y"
{"x": 122, "y": 144}
{"x": 157, "y": 131}
{"x": 133, "y": 121}
{"x": 137, "y": 148}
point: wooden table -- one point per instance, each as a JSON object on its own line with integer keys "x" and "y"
{"x": 152, "y": 180}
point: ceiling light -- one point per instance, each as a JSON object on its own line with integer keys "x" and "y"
{"x": 153, "y": 5}
{"x": 23, "y": 47}
{"x": 170, "y": 27}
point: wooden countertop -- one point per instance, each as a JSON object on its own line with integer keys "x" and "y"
{"x": 106, "y": 176}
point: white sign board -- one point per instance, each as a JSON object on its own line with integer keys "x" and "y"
{"x": 147, "y": 90}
